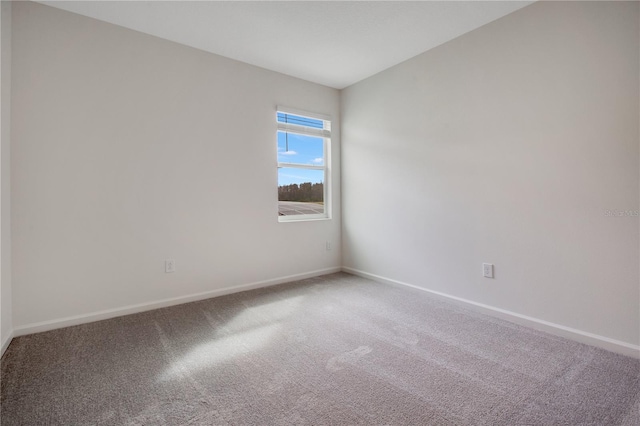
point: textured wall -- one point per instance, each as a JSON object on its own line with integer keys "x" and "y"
{"x": 6, "y": 316}
{"x": 507, "y": 145}
{"x": 128, "y": 150}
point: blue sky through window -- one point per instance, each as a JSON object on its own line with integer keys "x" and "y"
{"x": 300, "y": 149}
{"x": 289, "y": 176}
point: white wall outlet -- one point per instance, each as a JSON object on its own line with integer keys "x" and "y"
{"x": 169, "y": 265}
{"x": 328, "y": 246}
{"x": 487, "y": 270}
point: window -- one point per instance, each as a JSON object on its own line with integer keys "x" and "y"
{"x": 303, "y": 169}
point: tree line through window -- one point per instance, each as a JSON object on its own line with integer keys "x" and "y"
{"x": 306, "y": 192}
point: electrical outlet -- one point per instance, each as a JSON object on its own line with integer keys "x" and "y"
{"x": 169, "y": 265}
{"x": 328, "y": 246}
{"x": 487, "y": 270}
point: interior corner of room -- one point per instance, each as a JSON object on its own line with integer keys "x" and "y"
{"x": 515, "y": 145}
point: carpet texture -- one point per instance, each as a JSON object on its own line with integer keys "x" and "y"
{"x": 336, "y": 349}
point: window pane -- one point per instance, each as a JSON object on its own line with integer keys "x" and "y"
{"x": 300, "y": 191}
{"x": 300, "y": 149}
{"x": 300, "y": 121}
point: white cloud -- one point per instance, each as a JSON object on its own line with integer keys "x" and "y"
{"x": 289, "y": 153}
{"x": 318, "y": 160}
{"x": 297, "y": 177}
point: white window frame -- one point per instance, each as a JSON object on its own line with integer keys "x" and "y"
{"x": 325, "y": 134}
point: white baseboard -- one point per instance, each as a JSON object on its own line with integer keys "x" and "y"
{"x": 141, "y": 307}
{"x": 535, "y": 323}
{"x": 6, "y": 343}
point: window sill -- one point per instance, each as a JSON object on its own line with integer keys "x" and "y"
{"x": 301, "y": 218}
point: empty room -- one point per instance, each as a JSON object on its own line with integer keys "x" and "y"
{"x": 320, "y": 213}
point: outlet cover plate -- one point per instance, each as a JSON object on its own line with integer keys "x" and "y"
{"x": 487, "y": 270}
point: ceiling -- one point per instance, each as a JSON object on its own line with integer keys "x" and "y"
{"x": 333, "y": 43}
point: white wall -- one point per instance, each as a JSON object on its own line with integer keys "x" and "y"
{"x": 6, "y": 323}
{"x": 128, "y": 150}
{"x": 506, "y": 145}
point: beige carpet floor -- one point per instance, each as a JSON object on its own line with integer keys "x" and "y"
{"x": 333, "y": 350}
